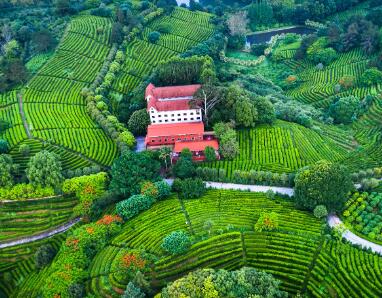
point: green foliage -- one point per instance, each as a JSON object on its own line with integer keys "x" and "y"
{"x": 87, "y": 189}
{"x": 323, "y": 183}
{"x": 154, "y": 37}
{"x": 130, "y": 169}
{"x": 268, "y": 221}
{"x": 246, "y": 282}
{"x": 25, "y": 191}
{"x": 132, "y": 291}
{"x": 6, "y": 167}
{"x": 191, "y": 188}
{"x": 209, "y": 153}
{"x": 371, "y": 76}
{"x": 138, "y": 122}
{"x": 24, "y": 149}
{"x": 133, "y": 206}
{"x": 126, "y": 137}
{"x": 344, "y": 109}
{"x": 320, "y": 211}
{"x": 177, "y": 242}
{"x": 149, "y": 189}
{"x": 228, "y": 145}
{"x": 44, "y": 256}
{"x": 4, "y": 147}
{"x": 184, "y": 167}
{"x": 363, "y": 213}
{"x": 164, "y": 189}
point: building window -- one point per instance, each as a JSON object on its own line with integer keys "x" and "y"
{"x": 165, "y": 139}
{"x": 173, "y": 139}
{"x": 198, "y": 118}
{"x": 179, "y": 119}
{"x": 160, "y": 121}
{"x": 178, "y": 139}
{"x": 192, "y": 138}
{"x": 172, "y": 115}
{"x": 159, "y": 116}
{"x": 178, "y": 114}
{"x": 184, "y": 114}
{"x": 191, "y": 118}
{"x": 152, "y": 141}
{"x": 166, "y": 120}
{"x": 185, "y": 119}
{"x": 191, "y": 113}
{"x": 153, "y": 121}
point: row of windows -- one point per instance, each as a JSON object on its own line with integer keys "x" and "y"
{"x": 173, "y": 115}
{"x": 173, "y": 120}
{"x": 173, "y": 139}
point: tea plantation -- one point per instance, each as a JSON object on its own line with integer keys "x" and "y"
{"x": 296, "y": 253}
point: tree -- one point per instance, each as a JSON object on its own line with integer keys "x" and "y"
{"x": 246, "y": 282}
{"x": 154, "y": 37}
{"x": 130, "y": 169}
{"x": 176, "y": 243}
{"x": 127, "y": 138}
{"x": 24, "y": 149}
{"x": 344, "y": 109}
{"x": 320, "y": 211}
{"x": 191, "y": 188}
{"x": 206, "y": 98}
{"x": 117, "y": 33}
{"x": 44, "y": 255}
{"x": 265, "y": 110}
{"x": 133, "y": 291}
{"x": 133, "y": 206}
{"x": 6, "y": 167}
{"x": 165, "y": 155}
{"x": 43, "y": 40}
{"x": 184, "y": 167}
{"x": 4, "y": 147}
{"x": 237, "y": 23}
{"x": 246, "y": 113}
{"x": 209, "y": 153}
{"x": 323, "y": 183}
{"x": 45, "y": 169}
{"x": 76, "y": 290}
{"x": 164, "y": 189}
{"x": 371, "y": 76}
{"x": 138, "y": 122}
{"x": 229, "y": 146}
{"x": 63, "y": 7}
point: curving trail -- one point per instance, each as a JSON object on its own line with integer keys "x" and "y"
{"x": 43, "y": 235}
{"x": 334, "y": 220}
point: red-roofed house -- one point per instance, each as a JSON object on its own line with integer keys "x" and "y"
{"x": 171, "y": 104}
{"x": 174, "y": 123}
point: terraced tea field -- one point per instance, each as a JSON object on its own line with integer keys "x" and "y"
{"x": 283, "y": 147}
{"x": 186, "y": 29}
{"x": 26, "y": 218}
{"x": 318, "y": 85}
{"x": 53, "y": 106}
{"x": 296, "y": 253}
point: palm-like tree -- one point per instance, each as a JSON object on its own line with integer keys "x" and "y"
{"x": 164, "y": 153}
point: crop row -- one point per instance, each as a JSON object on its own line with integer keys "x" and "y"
{"x": 199, "y": 18}
{"x": 283, "y": 147}
{"x": 33, "y": 216}
{"x": 92, "y": 142}
{"x": 8, "y": 98}
{"x": 97, "y": 28}
{"x": 51, "y": 116}
{"x": 345, "y": 271}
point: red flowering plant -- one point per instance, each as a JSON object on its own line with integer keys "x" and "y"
{"x": 149, "y": 189}
{"x": 128, "y": 263}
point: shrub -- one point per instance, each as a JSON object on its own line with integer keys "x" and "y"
{"x": 371, "y": 76}
{"x": 133, "y": 291}
{"x": 344, "y": 109}
{"x": 164, "y": 189}
{"x": 149, "y": 189}
{"x": 154, "y": 37}
{"x": 4, "y": 147}
{"x": 177, "y": 242}
{"x": 323, "y": 183}
{"x": 127, "y": 138}
{"x": 44, "y": 256}
{"x": 320, "y": 211}
{"x": 6, "y": 168}
{"x": 268, "y": 221}
{"x": 133, "y": 206}
{"x": 138, "y": 122}
{"x": 45, "y": 169}
{"x": 209, "y": 153}
{"x": 76, "y": 290}
{"x": 24, "y": 149}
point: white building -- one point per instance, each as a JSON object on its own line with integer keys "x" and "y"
{"x": 172, "y": 104}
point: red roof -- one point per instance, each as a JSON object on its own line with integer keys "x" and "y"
{"x": 196, "y": 146}
{"x": 172, "y": 98}
{"x": 174, "y": 129}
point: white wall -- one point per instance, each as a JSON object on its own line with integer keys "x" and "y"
{"x": 181, "y": 116}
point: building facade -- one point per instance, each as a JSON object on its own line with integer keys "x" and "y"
{"x": 175, "y": 123}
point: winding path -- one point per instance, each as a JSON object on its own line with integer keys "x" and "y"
{"x": 43, "y": 235}
{"x": 333, "y": 221}
{"x": 23, "y": 118}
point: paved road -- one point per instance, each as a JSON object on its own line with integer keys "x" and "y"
{"x": 43, "y": 235}
{"x": 252, "y": 188}
{"x": 333, "y": 221}
{"x": 140, "y": 144}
